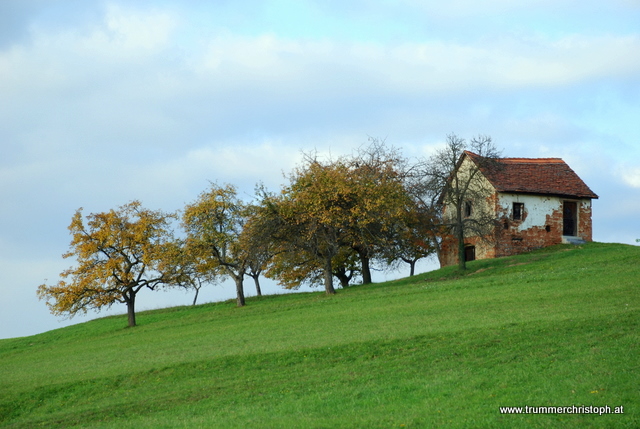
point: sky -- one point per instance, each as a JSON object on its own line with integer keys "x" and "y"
{"x": 105, "y": 102}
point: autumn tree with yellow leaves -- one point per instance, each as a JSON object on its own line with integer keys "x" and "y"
{"x": 305, "y": 223}
{"x": 118, "y": 253}
{"x": 377, "y": 175}
{"x": 215, "y": 225}
{"x": 335, "y": 212}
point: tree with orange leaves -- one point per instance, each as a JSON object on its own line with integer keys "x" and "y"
{"x": 118, "y": 253}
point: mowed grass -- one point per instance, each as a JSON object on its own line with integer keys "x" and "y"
{"x": 557, "y": 327}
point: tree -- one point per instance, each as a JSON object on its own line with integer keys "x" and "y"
{"x": 377, "y": 175}
{"x": 256, "y": 267}
{"x": 346, "y": 267}
{"x": 118, "y": 253}
{"x": 199, "y": 270}
{"x": 257, "y": 243}
{"x": 214, "y": 225}
{"x": 294, "y": 268}
{"x": 413, "y": 239}
{"x": 306, "y": 221}
{"x": 335, "y": 209}
{"x": 462, "y": 189}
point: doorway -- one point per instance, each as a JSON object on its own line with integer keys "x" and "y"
{"x": 469, "y": 253}
{"x": 569, "y": 218}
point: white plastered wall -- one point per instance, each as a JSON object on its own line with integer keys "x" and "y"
{"x": 536, "y": 207}
{"x": 479, "y": 186}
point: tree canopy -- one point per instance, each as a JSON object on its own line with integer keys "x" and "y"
{"x": 305, "y": 219}
{"x": 214, "y": 225}
{"x": 336, "y": 212}
{"x": 118, "y": 253}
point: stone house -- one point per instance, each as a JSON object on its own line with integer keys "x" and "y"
{"x": 534, "y": 203}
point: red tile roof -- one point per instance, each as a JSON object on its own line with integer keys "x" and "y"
{"x": 548, "y": 176}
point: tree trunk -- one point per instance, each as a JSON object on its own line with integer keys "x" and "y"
{"x": 412, "y": 265}
{"x": 462, "y": 263}
{"x": 195, "y": 298}
{"x": 239, "y": 290}
{"x": 130, "y": 299}
{"x": 328, "y": 276}
{"x": 366, "y": 269}
{"x": 459, "y": 230}
{"x": 343, "y": 277}
{"x": 256, "y": 280}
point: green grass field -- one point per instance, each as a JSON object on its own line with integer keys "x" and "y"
{"x": 557, "y": 327}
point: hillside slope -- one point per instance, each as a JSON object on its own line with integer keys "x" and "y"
{"x": 557, "y": 327}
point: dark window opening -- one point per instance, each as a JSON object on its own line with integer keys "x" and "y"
{"x": 569, "y": 218}
{"x": 506, "y": 225}
{"x": 547, "y": 228}
{"x": 518, "y": 211}
{"x": 470, "y": 253}
{"x": 467, "y": 208}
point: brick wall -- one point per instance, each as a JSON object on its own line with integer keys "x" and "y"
{"x": 541, "y": 226}
{"x": 585, "y": 225}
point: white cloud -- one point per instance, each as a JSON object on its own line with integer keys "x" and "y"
{"x": 242, "y": 165}
{"x": 630, "y": 175}
{"x": 114, "y": 71}
{"x": 421, "y": 67}
{"x": 140, "y": 31}
{"x": 478, "y": 11}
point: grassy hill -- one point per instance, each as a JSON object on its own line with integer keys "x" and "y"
{"x": 557, "y": 327}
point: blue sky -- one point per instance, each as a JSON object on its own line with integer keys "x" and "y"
{"x": 105, "y": 102}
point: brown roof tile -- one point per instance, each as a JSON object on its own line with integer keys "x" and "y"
{"x": 549, "y": 176}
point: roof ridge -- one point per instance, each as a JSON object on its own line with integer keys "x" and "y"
{"x": 520, "y": 159}
{"x": 532, "y": 160}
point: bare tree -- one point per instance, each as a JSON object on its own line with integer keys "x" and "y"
{"x": 455, "y": 175}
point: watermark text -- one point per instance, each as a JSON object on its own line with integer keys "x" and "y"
{"x": 571, "y": 409}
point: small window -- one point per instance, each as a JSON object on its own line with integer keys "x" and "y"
{"x": 518, "y": 211}
{"x": 467, "y": 209}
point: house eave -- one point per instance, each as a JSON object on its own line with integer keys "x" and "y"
{"x": 550, "y": 194}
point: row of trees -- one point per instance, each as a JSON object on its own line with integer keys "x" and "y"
{"x": 335, "y": 218}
